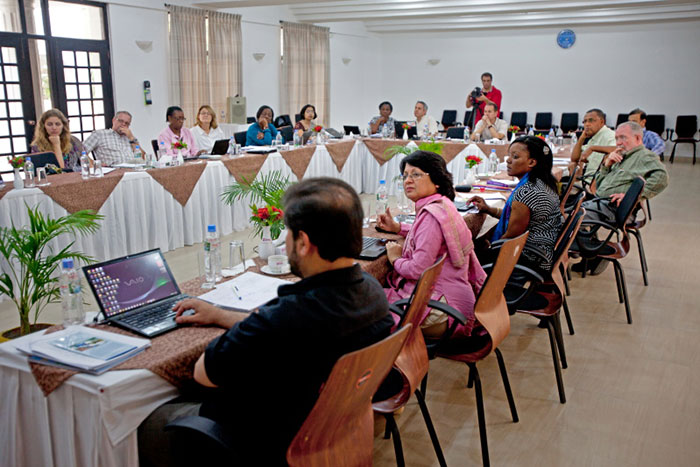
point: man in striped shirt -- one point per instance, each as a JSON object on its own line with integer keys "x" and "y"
{"x": 114, "y": 145}
{"x": 652, "y": 141}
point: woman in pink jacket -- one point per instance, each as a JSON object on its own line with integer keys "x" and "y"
{"x": 438, "y": 229}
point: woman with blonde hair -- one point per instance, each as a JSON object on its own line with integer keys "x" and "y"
{"x": 206, "y": 130}
{"x": 52, "y": 134}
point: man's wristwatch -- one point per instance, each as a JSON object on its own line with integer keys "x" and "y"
{"x": 133, "y": 141}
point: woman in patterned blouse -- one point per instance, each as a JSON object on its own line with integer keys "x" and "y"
{"x": 533, "y": 205}
{"x": 52, "y": 134}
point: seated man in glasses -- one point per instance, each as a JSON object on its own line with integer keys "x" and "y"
{"x": 266, "y": 371}
{"x": 114, "y": 145}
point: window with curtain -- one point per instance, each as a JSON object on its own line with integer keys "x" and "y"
{"x": 305, "y": 69}
{"x": 205, "y": 58}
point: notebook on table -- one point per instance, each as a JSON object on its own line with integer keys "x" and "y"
{"x": 136, "y": 292}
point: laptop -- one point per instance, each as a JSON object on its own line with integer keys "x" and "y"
{"x": 351, "y": 130}
{"x": 220, "y": 147}
{"x": 136, "y": 292}
{"x": 372, "y": 248}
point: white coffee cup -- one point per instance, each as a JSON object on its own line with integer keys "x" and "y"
{"x": 278, "y": 264}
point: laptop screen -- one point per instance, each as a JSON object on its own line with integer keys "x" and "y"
{"x": 126, "y": 283}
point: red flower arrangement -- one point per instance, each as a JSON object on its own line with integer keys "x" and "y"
{"x": 17, "y": 162}
{"x": 179, "y": 144}
{"x": 514, "y": 128}
{"x": 473, "y": 161}
{"x": 268, "y": 216}
{"x": 541, "y": 136}
{"x": 318, "y": 129}
{"x": 405, "y": 126}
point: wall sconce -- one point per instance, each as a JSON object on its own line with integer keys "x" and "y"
{"x": 258, "y": 56}
{"x": 433, "y": 61}
{"x": 146, "y": 46}
{"x": 346, "y": 60}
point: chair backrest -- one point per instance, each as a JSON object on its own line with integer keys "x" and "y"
{"x": 621, "y": 118}
{"x": 282, "y": 120}
{"x": 449, "y": 117}
{"x": 240, "y": 137}
{"x": 297, "y": 117}
{"x": 456, "y": 132}
{"x": 340, "y": 428}
{"x": 490, "y": 308}
{"x": 154, "y": 145}
{"x": 250, "y": 119}
{"x": 467, "y": 117}
{"x": 569, "y": 122}
{"x": 543, "y": 120}
{"x": 287, "y": 133}
{"x": 686, "y": 126}
{"x": 566, "y": 189}
{"x": 629, "y": 202}
{"x": 40, "y": 159}
{"x": 398, "y": 128}
{"x": 519, "y": 119}
{"x": 566, "y": 237}
{"x": 656, "y": 123}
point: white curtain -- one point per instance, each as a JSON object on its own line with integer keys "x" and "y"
{"x": 305, "y": 70}
{"x": 189, "y": 75}
{"x": 225, "y": 58}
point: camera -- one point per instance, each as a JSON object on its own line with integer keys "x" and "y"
{"x": 476, "y": 92}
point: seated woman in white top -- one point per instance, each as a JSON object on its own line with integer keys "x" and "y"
{"x": 490, "y": 126}
{"x": 206, "y": 131}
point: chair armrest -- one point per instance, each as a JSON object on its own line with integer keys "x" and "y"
{"x": 536, "y": 276}
{"x": 203, "y": 426}
{"x": 397, "y": 310}
{"x": 448, "y": 310}
{"x": 599, "y": 223}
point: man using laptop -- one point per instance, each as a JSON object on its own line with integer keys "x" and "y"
{"x": 267, "y": 370}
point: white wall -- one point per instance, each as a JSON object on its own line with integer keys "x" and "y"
{"x": 653, "y": 66}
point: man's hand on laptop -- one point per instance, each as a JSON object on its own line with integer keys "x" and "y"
{"x": 205, "y": 314}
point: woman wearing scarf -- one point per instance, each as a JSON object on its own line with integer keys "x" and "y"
{"x": 438, "y": 229}
{"x": 533, "y": 205}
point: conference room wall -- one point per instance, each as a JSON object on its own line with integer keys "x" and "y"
{"x": 617, "y": 68}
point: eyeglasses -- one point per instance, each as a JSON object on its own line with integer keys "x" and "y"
{"x": 179, "y": 119}
{"x": 124, "y": 122}
{"x": 415, "y": 176}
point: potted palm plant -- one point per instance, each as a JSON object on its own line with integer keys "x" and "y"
{"x": 31, "y": 262}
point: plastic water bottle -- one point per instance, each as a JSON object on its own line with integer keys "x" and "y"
{"x": 137, "y": 152}
{"x": 71, "y": 294}
{"x": 84, "y": 166}
{"x": 466, "y": 134}
{"x": 212, "y": 257}
{"x": 297, "y": 139}
{"x": 531, "y": 132}
{"x": 551, "y": 137}
{"x": 401, "y": 196}
{"x": 382, "y": 197}
{"x": 425, "y": 131}
{"x": 574, "y": 139}
{"x": 29, "y": 173}
{"x": 493, "y": 162}
{"x": 279, "y": 139}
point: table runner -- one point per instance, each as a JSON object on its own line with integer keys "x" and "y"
{"x": 179, "y": 181}
{"x": 377, "y": 147}
{"x": 340, "y": 152}
{"x": 5, "y": 189}
{"x": 450, "y": 150}
{"x": 298, "y": 159}
{"x": 244, "y": 168}
{"x": 74, "y": 194}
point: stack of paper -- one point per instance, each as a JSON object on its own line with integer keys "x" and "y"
{"x": 84, "y": 349}
{"x": 244, "y": 293}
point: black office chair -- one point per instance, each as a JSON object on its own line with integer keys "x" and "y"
{"x": 154, "y": 145}
{"x": 282, "y": 120}
{"x": 500, "y": 115}
{"x": 455, "y": 132}
{"x": 569, "y": 122}
{"x": 621, "y": 118}
{"x": 287, "y": 133}
{"x": 297, "y": 117}
{"x": 449, "y": 117}
{"x": 398, "y": 128}
{"x": 543, "y": 121}
{"x": 250, "y": 120}
{"x": 240, "y": 137}
{"x": 686, "y": 127}
{"x": 657, "y": 124}
{"x": 519, "y": 119}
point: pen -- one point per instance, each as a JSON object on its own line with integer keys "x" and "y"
{"x": 237, "y": 292}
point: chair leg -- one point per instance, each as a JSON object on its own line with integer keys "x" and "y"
{"x": 424, "y": 384}
{"x": 694, "y": 148}
{"x": 398, "y": 449}
{"x": 560, "y": 340}
{"x": 673, "y": 152}
{"x": 585, "y": 267}
{"x": 619, "y": 287}
{"x": 480, "y": 414}
{"x": 506, "y": 385}
{"x": 624, "y": 292}
{"x": 555, "y": 358}
{"x": 649, "y": 208}
{"x": 568, "y": 272}
{"x": 567, "y": 315}
{"x": 431, "y": 428}
{"x": 642, "y": 257}
{"x": 470, "y": 378}
{"x": 564, "y": 275}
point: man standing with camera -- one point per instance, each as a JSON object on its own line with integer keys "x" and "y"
{"x": 479, "y": 97}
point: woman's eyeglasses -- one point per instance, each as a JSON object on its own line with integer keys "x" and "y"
{"x": 415, "y": 176}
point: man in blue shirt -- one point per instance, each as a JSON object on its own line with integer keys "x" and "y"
{"x": 651, "y": 140}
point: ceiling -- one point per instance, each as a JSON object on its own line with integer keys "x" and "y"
{"x": 401, "y": 16}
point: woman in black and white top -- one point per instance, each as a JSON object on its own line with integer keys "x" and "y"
{"x": 534, "y": 203}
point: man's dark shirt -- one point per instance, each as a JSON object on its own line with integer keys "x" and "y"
{"x": 270, "y": 367}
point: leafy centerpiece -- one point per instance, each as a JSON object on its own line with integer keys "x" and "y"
{"x": 431, "y": 146}
{"x": 179, "y": 144}
{"x": 17, "y": 162}
{"x": 473, "y": 161}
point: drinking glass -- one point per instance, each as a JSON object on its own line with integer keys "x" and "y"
{"x": 368, "y": 213}
{"x": 236, "y": 254}
{"x": 41, "y": 177}
{"x": 98, "y": 169}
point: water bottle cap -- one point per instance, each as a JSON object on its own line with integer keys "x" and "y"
{"x": 84, "y": 153}
{"x": 67, "y": 263}
{"x": 382, "y": 182}
{"x": 29, "y": 159}
{"x": 493, "y": 151}
{"x": 137, "y": 147}
{"x": 211, "y": 228}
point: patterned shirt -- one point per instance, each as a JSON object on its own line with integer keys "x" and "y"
{"x": 653, "y": 142}
{"x": 390, "y": 123}
{"x": 109, "y": 146}
{"x": 545, "y": 220}
{"x": 604, "y": 137}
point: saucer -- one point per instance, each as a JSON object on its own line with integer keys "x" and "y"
{"x": 266, "y": 269}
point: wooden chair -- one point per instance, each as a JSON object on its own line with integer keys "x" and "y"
{"x": 589, "y": 247}
{"x": 339, "y": 430}
{"x": 412, "y": 362}
{"x": 491, "y": 312}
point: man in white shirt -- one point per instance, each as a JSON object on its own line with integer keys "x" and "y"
{"x": 490, "y": 126}
{"x": 114, "y": 145}
{"x": 426, "y": 125}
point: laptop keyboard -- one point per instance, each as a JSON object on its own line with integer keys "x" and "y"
{"x": 154, "y": 315}
{"x": 368, "y": 242}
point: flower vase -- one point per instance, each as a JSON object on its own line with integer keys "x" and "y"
{"x": 513, "y": 136}
{"x": 18, "y": 183}
{"x": 405, "y": 134}
{"x": 267, "y": 247}
{"x": 180, "y": 158}
{"x": 470, "y": 179}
